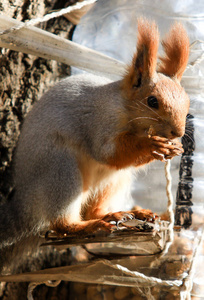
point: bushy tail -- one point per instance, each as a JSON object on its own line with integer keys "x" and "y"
{"x": 16, "y": 240}
{"x": 10, "y": 227}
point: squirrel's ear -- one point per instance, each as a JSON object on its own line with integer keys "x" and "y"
{"x": 145, "y": 59}
{"x": 176, "y": 47}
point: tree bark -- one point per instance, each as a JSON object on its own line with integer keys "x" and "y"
{"x": 23, "y": 79}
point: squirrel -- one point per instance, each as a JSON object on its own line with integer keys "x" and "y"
{"x": 81, "y": 142}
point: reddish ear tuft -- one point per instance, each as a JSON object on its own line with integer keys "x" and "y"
{"x": 176, "y": 47}
{"x": 144, "y": 62}
{"x": 147, "y": 47}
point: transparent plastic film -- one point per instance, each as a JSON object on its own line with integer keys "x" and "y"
{"x": 110, "y": 27}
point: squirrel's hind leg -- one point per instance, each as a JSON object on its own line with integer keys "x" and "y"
{"x": 123, "y": 216}
{"x": 107, "y": 223}
{"x": 62, "y": 227}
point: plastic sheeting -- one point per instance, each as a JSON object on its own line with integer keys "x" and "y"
{"x": 111, "y": 28}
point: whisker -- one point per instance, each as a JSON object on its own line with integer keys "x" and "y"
{"x": 185, "y": 139}
{"x": 139, "y": 103}
{"x": 189, "y": 131}
{"x": 188, "y": 137}
{"x": 151, "y": 110}
{"x": 143, "y": 118}
{"x": 134, "y": 107}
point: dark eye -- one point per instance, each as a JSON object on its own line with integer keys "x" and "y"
{"x": 153, "y": 102}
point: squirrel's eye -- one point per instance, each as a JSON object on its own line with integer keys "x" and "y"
{"x": 153, "y": 102}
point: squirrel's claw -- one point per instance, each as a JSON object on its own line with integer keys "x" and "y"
{"x": 120, "y": 216}
{"x": 145, "y": 215}
{"x": 163, "y": 148}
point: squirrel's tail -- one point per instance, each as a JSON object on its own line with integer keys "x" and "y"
{"x": 10, "y": 227}
{"x": 15, "y": 238}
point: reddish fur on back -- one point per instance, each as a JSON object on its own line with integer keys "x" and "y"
{"x": 176, "y": 47}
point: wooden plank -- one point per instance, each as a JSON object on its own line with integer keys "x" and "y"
{"x": 38, "y": 42}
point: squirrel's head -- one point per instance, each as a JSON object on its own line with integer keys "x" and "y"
{"x": 153, "y": 95}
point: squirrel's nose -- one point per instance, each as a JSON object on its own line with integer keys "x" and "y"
{"x": 177, "y": 132}
{"x": 172, "y": 132}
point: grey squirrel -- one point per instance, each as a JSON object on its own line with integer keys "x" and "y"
{"x": 83, "y": 139}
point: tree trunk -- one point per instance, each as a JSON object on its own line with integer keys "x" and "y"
{"x": 23, "y": 79}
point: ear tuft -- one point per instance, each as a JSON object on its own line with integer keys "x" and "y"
{"x": 147, "y": 47}
{"x": 176, "y": 47}
{"x": 144, "y": 61}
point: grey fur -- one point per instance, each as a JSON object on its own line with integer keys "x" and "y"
{"x": 82, "y": 131}
{"x": 64, "y": 123}
{"x": 68, "y": 134}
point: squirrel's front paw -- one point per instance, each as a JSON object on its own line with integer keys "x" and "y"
{"x": 163, "y": 148}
